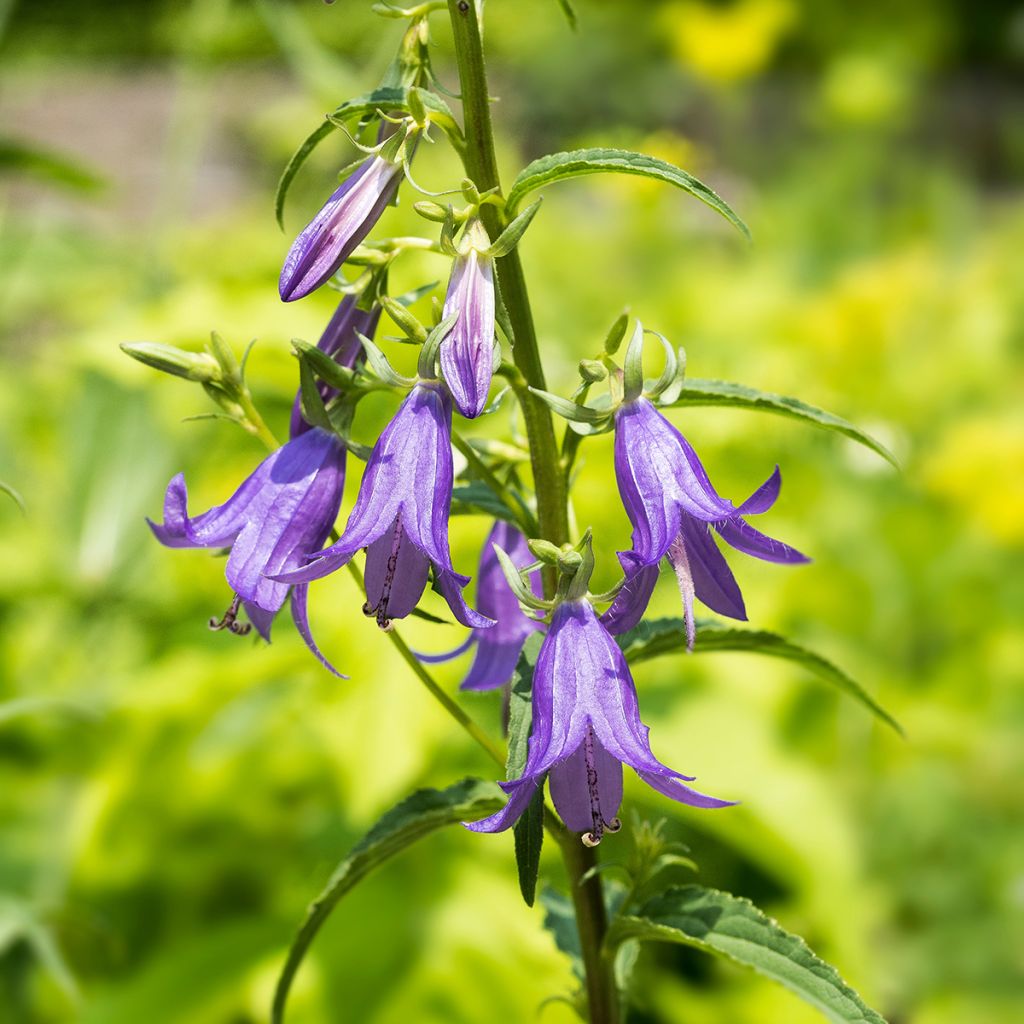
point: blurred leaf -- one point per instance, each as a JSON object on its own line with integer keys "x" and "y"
{"x": 13, "y": 495}
{"x": 734, "y": 928}
{"x": 476, "y": 497}
{"x": 418, "y": 815}
{"x": 570, "y": 13}
{"x": 529, "y": 829}
{"x": 20, "y": 922}
{"x": 560, "y": 920}
{"x": 12, "y": 709}
{"x": 46, "y": 165}
{"x": 655, "y": 637}
{"x": 726, "y": 393}
{"x": 559, "y": 166}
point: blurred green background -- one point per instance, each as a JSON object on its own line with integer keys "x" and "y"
{"x": 170, "y": 799}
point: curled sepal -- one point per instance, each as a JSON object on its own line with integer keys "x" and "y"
{"x": 427, "y": 364}
{"x": 314, "y": 412}
{"x": 616, "y": 333}
{"x": 381, "y": 368}
{"x": 406, "y": 322}
{"x": 509, "y": 238}
{"x": 518, "y": 581}
{"x": 582, "y": 418}
{"x": 575, "y": 567}
{"x": 670, "y": 382}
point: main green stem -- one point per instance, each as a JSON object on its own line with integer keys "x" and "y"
{"x": 548, "y": 475}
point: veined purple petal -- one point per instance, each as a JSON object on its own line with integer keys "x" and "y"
{"x": 396, "y": 575}
{"x": 467, "y": 354}
{"x": 289, "y": 517}
{"x": 713, "y": 580}
{"x": 764, "y": 497}
{"x": 262, "y": 620}
{"x": 672, "y": 788}
{"x": 743, "y": 537}
{"x": 583, "y": 696}
{"x": 631, "y": 601}
{"x": 343, "y": 222}
{"x": 300, "y": 616}
{"x": 341, "y": 341}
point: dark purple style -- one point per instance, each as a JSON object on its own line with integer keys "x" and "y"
{"x": 672, "y": 505}
{"x": 343, "y": 222}
{"x": 279, "y": 516}
{"x": 586, "y": 725}
{"x": 401, "y": 515}
{"x": 467, "y": 354}
{"x": 340, "y": 340}
{"x": 497, "y": 648}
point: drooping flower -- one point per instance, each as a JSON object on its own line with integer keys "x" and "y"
{"x": 467, "y": 354}
{"x": 281, "y": 514}
{"x": 401, "y": 515}
{"x": 497, "y": 648}
{"x": 343, "y": 222}
{"x": 586, "y": 725}
{"x": 672, "y": 505}
{"x": 340, "y": 339}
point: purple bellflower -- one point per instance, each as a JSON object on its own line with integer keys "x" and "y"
{"x": 341, "y": 341}
{"x": 586, "y": 725}
{"x": 672, "y": 505}
{"x": 401, "y": 515}
{"x": 497, "y": 648}
{"x": 343, "y": 222}
{"x": 281, "y": 514}
{"x": 467, "y": 354}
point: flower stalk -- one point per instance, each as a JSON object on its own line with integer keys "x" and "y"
{"x": 545, "y": 458}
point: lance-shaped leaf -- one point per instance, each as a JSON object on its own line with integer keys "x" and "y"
{"x": 529, "y": 829}
{"x": 560, "y": 166}
{"x": 476, "y": 497}
{"x": 583, "y": 415}
{"x": 727, "y": 393}
{"x": 655, "y": 637}
{"x": 570, "y": 13}
{"x": 415, "y": 817}
{"x": 733, "y": 928}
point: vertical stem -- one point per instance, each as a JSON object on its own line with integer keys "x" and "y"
{"x": 548, "y": 476}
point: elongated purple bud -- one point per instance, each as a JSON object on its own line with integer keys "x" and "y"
{"x": 467, "y": 354}
{"x": 343, "y": 222}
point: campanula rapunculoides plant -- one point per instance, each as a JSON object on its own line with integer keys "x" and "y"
{"x": 557, "y": 653}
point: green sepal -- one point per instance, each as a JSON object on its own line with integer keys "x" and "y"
{"x": 575, "y": 567}
{"x": 379, "y": 364}
{"x": 726, "y": 393}
{"x": 425, "y": 366}
{"x": 584, "y": 415}
{"x": 616, "y": 333}
{"x": 733, "y": 928}
{"x": 314, "y": 412}
{"x": 327, "y": 369}
{"x": 560, "y": 166}
{"x": 195, "y": 366}
{"x": 14, "y": 495}
{"x": 633, "y": 365}
{"x": 655, "y": 637}
{"x": 415, "y": 817}
{"x": 519, "y": 586}
{"x": 529, "y": 830}
{"x": 407, "y": 323}
{"x": 509, "y": 238}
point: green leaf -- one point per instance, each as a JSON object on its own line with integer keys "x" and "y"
{"x": 11, "y": 493}
{"x": 559, "y": 166}
{"x": 570, "y": 13}
{"x": 415, "y": 817}
{"x": 735, "y": 929}
{"x": 655, "y": 637}
{"x": 23, "y": 158}
{"x": 724, "y": 392}
{"x": 529, "y": 829}
{"x": 560, "y": 920}
{"x": 476, "y": 497}
{"x": 298, "y": 158}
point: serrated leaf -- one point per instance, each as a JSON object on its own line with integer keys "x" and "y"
{"x": 727, "y": 393}
{"x": 560, "y": 166}
{"x": 529, "y": 829}
{"x": 731, "y": 927}
{"x": 415, "y": 817}
{"x": 655, "y": 637}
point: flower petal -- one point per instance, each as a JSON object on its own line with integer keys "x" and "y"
{"x": 713, "y": 580}
{"x": 574, "y": 798}
{"x": 467, "y": 354}
{"x": 671, "y": 787}
{"x": 635, "y": 594}
{"x": 743, "y": 537}
{"x": 301, "y": 618}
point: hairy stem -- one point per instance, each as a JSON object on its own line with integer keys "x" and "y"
{"x": 548, "y": 474}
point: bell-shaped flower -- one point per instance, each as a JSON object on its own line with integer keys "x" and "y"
{"x": 340, "y": 340}
{"x": 467, "y": 354}
{"x": 672, "y": 506}
{"x": 343, "y": 222}
{"x": 277, "y": 518}
{"x": 586, "y": 726}
{"x": 497, "y": 648}
{"x": 401, "y": 515}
